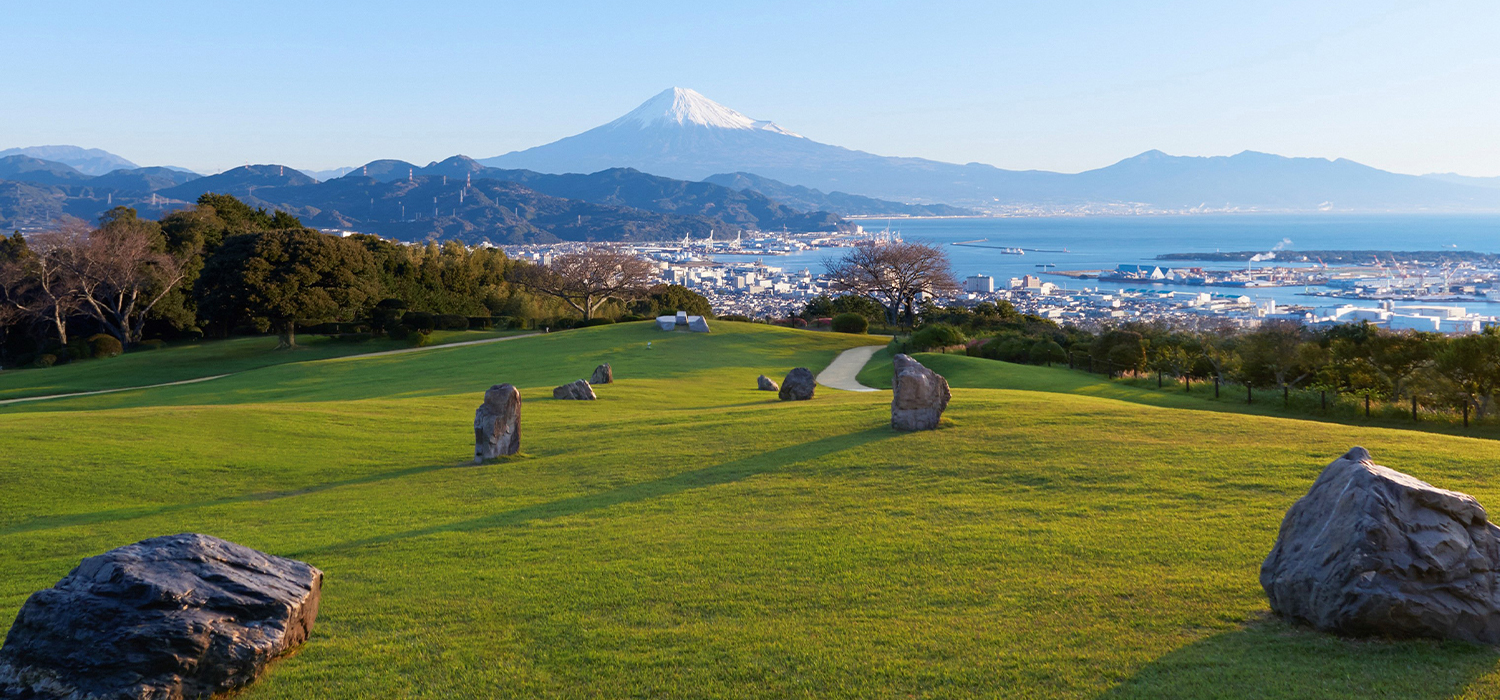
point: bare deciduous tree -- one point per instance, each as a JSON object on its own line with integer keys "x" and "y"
{"x": 40, "y": 284}
{"x": 121, "y": 275}
{"x": 892, "y": 274}
{"x": 587, "y": 279}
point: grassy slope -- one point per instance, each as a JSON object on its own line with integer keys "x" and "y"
{"x": 192, "y": 360}
{"x": 687, "y": 536}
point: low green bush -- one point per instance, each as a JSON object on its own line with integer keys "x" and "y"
{"x": 850, "y": 323}
{"x": 103, "y": 345}
{"x": 481, "y": 323}
{"x": 936, "y": 335}
{"x": 151, "y": 344}
{"x": 631, "y": 318}
{"x": 450, "y": 322}
{"x": 735, "y": 317}
{"x": 419, "y": 321}
{"x": 399, "y": 331}
{"x": 44, "y": 360}
{"x": 594, "y": 322}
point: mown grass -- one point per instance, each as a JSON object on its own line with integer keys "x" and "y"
{"x": 689, "y": 536}
{"x": 180, "y": 361}
{"x": 973, "y": 372}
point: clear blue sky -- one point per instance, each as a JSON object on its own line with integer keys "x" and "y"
{"x": 1407, "y": 86}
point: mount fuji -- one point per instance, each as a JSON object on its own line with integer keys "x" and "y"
{"x": 679, "y": 133}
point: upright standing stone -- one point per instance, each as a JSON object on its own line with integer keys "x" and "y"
{"x": 1370, "y": 550}
{"x": 575, "y": 391}
{"x": 919, "y": 396}
{"x": 602, "y": 375}
{"x": 765, "y": 383}
{"x": 798, "y": 385}
{"x": 182, "y": 616}
{"x": 497, "y": 423}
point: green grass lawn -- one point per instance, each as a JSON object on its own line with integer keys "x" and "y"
{"x": 181, "y": 361}
{"x": 689, "y": 536}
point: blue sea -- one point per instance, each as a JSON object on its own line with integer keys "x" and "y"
{"x": 1104, "y": 242}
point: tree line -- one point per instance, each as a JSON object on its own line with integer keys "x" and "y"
{"x": 222, "y": 268}
{"x": 1357, "y": 362}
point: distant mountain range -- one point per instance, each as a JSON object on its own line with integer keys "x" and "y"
{"x": 840, "y": 203}
{"x": 89, "y": 161}
{"x": 455, "y": 199}
{"x": 682, "y": 134}
{"x": 683, "y": 155}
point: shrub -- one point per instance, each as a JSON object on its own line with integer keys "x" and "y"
{"x": 350, "y": 337}
{"x": 1046, "y": 352}
{"x": 399, "y": 331}
{"x": 77, "y": 349}
{"x": 419, "y": 321}
{"x": 450, "y": 322}
{"x": 593, "y": 322}
{"x": 481, "y": 323}
{"x": 44, "y": 360}
{"x": 735, "y": 317}
{"x": 420, "y": 339}
{"x": 850, "y": 323}
{"x": 152, "y": 344}
{"x": 104, "y": 345}
{"x": 936, "y": 335}
{"x": 631, "y": 318}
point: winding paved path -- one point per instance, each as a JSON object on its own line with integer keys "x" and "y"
{"x": 401, "y": 351}
{"x": 841, "y": 373}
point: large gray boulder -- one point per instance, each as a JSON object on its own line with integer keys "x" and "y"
{"x": 602, "y": 375}
{"x": 183, "y": 616}
{"x": 919, "y": 396}
{"x": 1372, "y": 551}
{"x": 765, "y": 383}
{"x": 798, "y": 385}
{"x": 575, "y": 391}
{"x": 497, "y": 423}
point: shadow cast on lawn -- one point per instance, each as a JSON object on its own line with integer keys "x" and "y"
{"x": 1273, "y": 659}
{"x": 49, "y": 522}
{"x": 718, "y": 474}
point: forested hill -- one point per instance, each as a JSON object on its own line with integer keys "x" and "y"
{"x": 484, "y": 211}
{"x": 455, "y": 199}
{"x": 627, "y": 187}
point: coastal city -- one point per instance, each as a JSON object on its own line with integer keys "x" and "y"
{"x": 740, "y": 276}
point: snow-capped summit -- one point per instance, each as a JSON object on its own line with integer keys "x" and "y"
{"x": 684, "y": 107}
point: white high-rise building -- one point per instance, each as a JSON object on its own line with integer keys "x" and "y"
{"x": 979, "y": 283}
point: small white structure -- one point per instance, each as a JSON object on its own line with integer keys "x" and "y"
{"x": 695, "y": 324}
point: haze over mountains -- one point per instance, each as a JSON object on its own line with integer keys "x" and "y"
{"x": 680, "y": 133}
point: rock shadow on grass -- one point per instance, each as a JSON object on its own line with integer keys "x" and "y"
{"x": 723, "y": 473}
{"x": 1272, "y": 659}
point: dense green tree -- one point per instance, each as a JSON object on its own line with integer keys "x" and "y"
{"x": 1398, "y": 356}
{"x": 1132, "y": 358}
{"x": 275, "y": 279}
{"x": 1471, "y": 366}
{"x": 666, "y": 299}
{"x": 1279, "y": 355}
